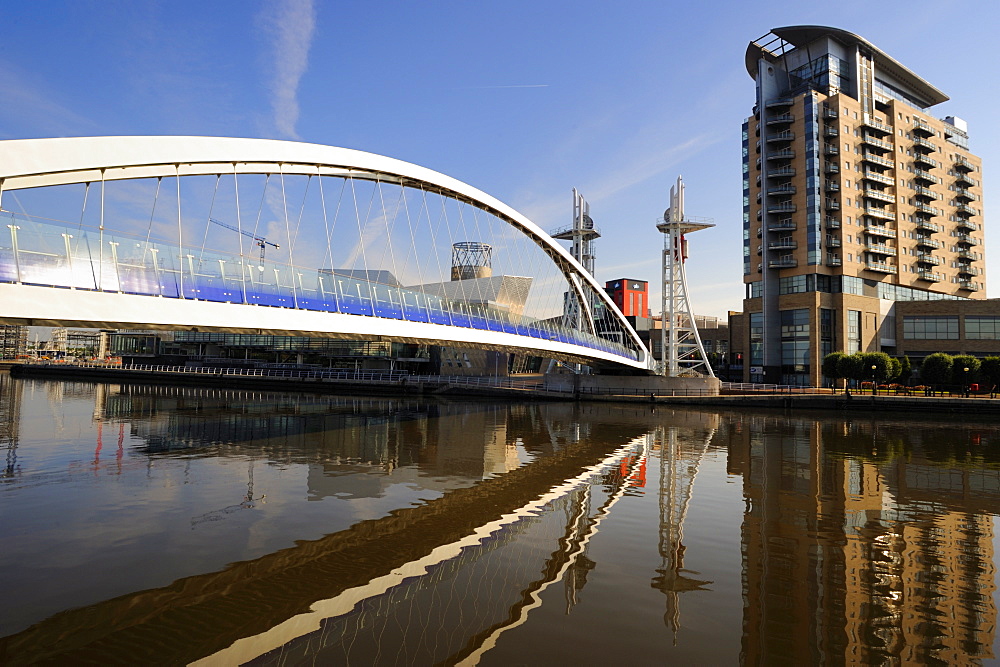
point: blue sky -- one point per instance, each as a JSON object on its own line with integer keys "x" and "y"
{"x": 524, "y": 100}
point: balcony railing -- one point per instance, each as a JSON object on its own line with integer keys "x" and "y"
{"x": 781, "y": 172}
{"x": 833, "y": 242}
{"x": 783, "y": 244}
{"x": 964, "y": 208}
{"x": 920, "y": 174}
{"x": 969, "y": 285}
{"x": 783, "y": 225}
{"x": 928, "y": 242}
{"x": 965, "y": 194}
{"x": 876, "y": 142}
{"x": 921, "y": 127}
{"x": 927, "y": 225}
{"x": 964, "y": 177}
{"x": 877, "y": 159}
{"x": 923, "y": 143}
{"x": 831, "y": 168}
{"x": 876, "y": 125}
{"x": 831, "y": 186}
{"x": 969, "y": 255}
{"x": 878, "y": 230}
{"x": 880, "y": 195}
{"x": 788, "y": 262}
{"x": 829, "y": 113}
{"x": 781, "y": 118}
{"x": 926, "y": 192}
{"x": 930, "y": 276}
{"x": 783, "y": 154}
{"x": 779, "y": 102}
{"x": 926, "y": 160}
{"x": 965, "y": 223}
{"x": 878, "y": 177}
{"x": 927, "y": 258}
{"x": 967, "y": 240}
{"x": 880, "y": 213}
{"x": 781, "y": 207}
{"x": 831, "y": 222}
{"x": 962, "y": 163}
{"x": 879, "y": 267}
{"x": 876, "y": 249}
{"x": 926, "y": 209}
{"x": 832, "y": 205}
{"x": 969, "y": 270}
{"x": 834, "y": 260}
{"x": 830, "y": 150}
{"x": 781, "y": 136}
{"x": 830, "y": 132}
{"x": 783, "y": 189}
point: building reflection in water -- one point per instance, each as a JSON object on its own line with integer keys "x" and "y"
{"x": 865, "y": 542}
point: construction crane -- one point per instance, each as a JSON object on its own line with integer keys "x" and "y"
{"x": 259, "y": 241}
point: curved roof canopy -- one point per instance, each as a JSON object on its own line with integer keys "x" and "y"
{"x": 800, "y": 35}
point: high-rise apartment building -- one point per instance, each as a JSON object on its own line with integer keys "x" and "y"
{"x": 855, "y": 196}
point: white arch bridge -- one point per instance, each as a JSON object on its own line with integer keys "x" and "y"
{"x": 286, "y": 238}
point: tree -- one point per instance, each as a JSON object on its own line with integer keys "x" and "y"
{"x": 906, "y": 370}
{"x": 958, "y": 372}
{"x": 936, "y": 369}
{"x": 990, "y": 371}
{"x": 895, "y": 368}
{"x": 849, "y": 366}
{"x": 831, "y": 366}
{"x": 882, "y": 363}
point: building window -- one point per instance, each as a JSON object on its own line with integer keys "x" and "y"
{"x": 853, "y": 331}
{"x": 756, "y": 339}
{"x": 930, "y": 327}
{"x": 982, "y": 327}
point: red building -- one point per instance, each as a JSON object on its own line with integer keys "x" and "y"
{"x": 631, "y": 296}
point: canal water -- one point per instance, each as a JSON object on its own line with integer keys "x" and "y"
{"x": 162, "y": 525}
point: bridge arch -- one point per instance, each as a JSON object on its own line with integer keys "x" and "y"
{"x": 203, "y": 296}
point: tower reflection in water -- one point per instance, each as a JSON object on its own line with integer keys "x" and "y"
{"x": 866, "y": 542}
{"x": 861, "y": 541}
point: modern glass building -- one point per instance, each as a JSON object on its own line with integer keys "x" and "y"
{"x": 855, "y": 197}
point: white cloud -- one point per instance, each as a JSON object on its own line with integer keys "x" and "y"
{"x": 290, "y": 25}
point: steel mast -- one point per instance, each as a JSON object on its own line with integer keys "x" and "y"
{"x": 680, "y": 343}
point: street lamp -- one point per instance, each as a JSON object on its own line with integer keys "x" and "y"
{"x": 965, "y": 380}
{"x": 874, "y": 382}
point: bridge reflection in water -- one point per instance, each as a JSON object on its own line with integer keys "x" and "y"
{"x": 848, "y": 540}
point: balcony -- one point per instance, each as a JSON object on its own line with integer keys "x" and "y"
{"x": 930, "y": 276}
{"x": 880, "y": 213}
{"x": 833, "y": 242}
{"x": 786, "y": 243}
{"x": 781, "y": 118}
{"x": 927, "y": 258}
{"x": 828, "y": 113}
{"x": 969, "y": 255}
{"x": 878, "y": 230}
{"x": 928, "y": 242}
{"x": 779, "y": 102}
{"x": 926, "y": 160}
{"x": 781, "y": 172}
{"x": 965, "y": 208}
{"x": 834, "y": 260}
{"x": 787, "y": 262}
{"x": 830, "y": 150}
{"x": 926, "y": 193}
{"x": 878, "y": 177}
{"x": 832, "y": 222}
{"x": 831, "y": 168}
{"x": 830, "y": 132}
{"x": 876, "y": 125}
{"x": 965, "y": 223}
{"x": 831, "y": 186}
{"x": 968, "y": 270}
{"x": 923, "y": 143}
{"x": 878, "y": 267}
{"x": 877, "y": 159}
{"x": 885, "y": 250}
{"x": 783, "y": 225}
{"x": 925, "y": 176}
{"x": 969, "y": 285}
{"x": 781, "y": 136}
{"x": 782, "y": 189}
{"x": 832, "y": 204}
{"x": 927, "y": 226}
{"x": 783, "y": 154}
{"x": 926, "y": 209}
{"x": 879, "y": 195}
{"x": 967, "y": 195}
{"x": 966, "y": 178}
{"x": 781, "y": 207}
{"x": 967, "y": 240}
{"x": 878, "y": 144}
{"x": 962, "y": 163}
{"x": 922, "y": 128}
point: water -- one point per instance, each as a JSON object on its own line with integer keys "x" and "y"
{"x": 160, "y": 525}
